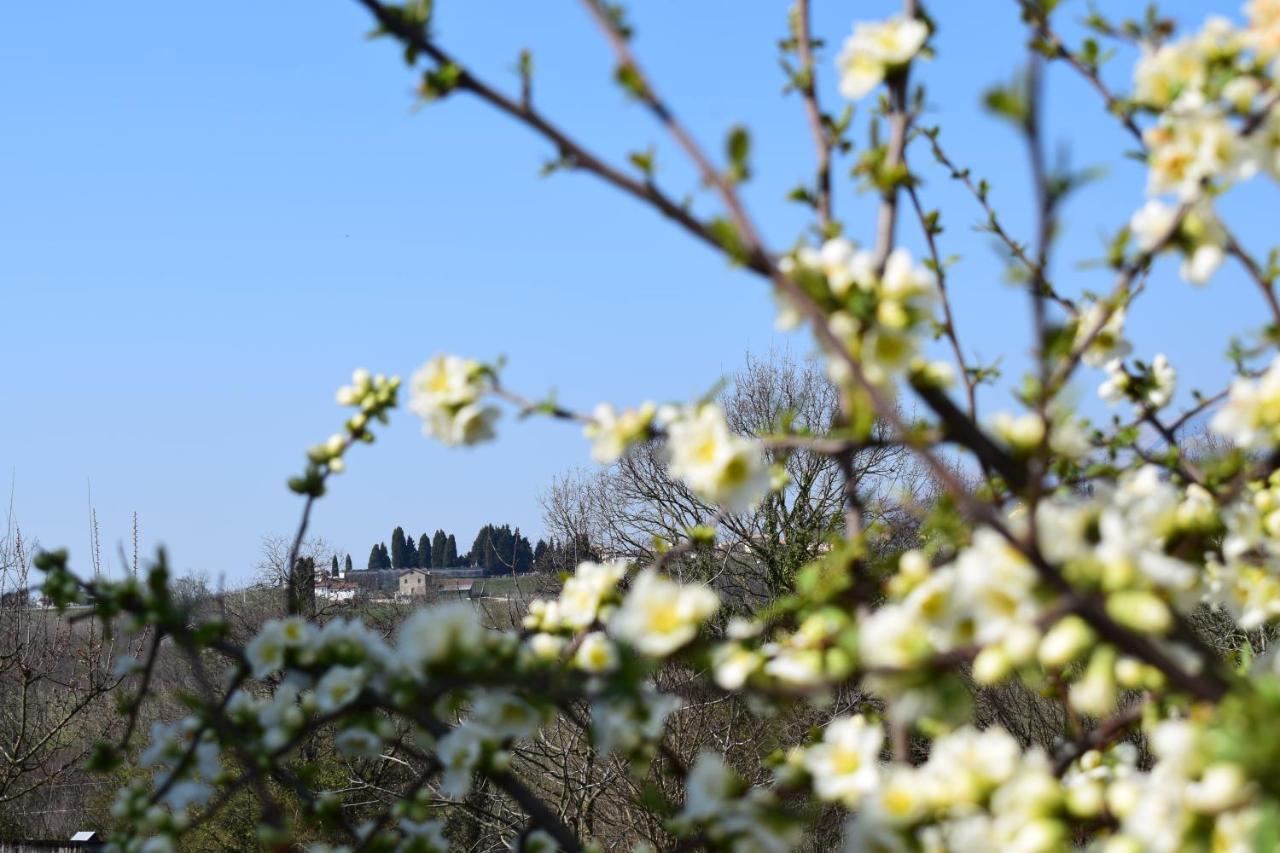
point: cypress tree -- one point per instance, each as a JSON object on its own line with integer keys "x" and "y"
{"x": 438, "y": 546}
{"x": 333, "y": 569}
{"x": 397, "y": 548}
{"x": 522, "y": 559}
{"x": 410, "y": 552}
{"x": 348, "y": 564}
{"x": 301, "y": 590}
{"x": 424, "y": 551}
{"x": 476, "y": 554}
{"x": 375, "y": 558}
{"x": 450, "y": 552}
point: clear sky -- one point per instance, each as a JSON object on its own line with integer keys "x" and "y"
{"x": 209, "y": 214}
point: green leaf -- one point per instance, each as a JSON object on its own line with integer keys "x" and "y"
{"x": 726, "y": 234}
{"x": 738, "y": 147}
{"x": 439, "y": 82}
{"x": 643, "y": 160}
{"x": 1009, "y": 101}
{"x": 630, "y": 80}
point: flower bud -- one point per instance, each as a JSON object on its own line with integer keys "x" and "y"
{"x": 1123, "y": 844}
{"x": 1065, "y": 641}
{"x": 545, "y": 647}
{"x": 991, "y": 666}
{"x": 1130, "y": 673}
{"x": 1223, "y": 786}
{"x": 1095, "y": 694}
{"x": 1122, "y": 797}
{"x": 1272, "y": 524}
{"x": 1264, "y": 500}
{"x": 1085, "y": 798}
{"x": 1042, "y": 834}
{"x": 933, "y": 374}
{"x": 1140, "y": 610}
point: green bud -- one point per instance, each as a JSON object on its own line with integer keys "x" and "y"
{"x": 1065, "y": 642}
{"x": 1140, "y": 610}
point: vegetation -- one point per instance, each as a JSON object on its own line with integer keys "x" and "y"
{"x": 796, "y": 614}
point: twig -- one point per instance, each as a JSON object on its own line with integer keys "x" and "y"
{"x": 809, "y": 93}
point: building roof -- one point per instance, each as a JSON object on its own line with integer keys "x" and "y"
{"x": 337, "y": 583}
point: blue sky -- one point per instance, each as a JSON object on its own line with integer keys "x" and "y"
{"x": 210, "y": 214}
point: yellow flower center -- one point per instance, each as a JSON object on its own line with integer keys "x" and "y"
{"x": 705, "y": 450}
{"x": 664, "y": 619}
{"x": 898, "y": 801}
{"x": 847, "y": 761}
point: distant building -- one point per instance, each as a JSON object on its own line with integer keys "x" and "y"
{"x": 81, "y": 841}
{"x": 414, "y": 583}
{"x": 374, "y": 581}
{"x": 458, "y": 572}
{"x": 453, "y": 580}
{"x": 331, "y": 589}
{"x": 452, "y": 585}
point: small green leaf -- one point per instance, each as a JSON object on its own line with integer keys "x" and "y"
{"x": 643, "y": 160}
{"x": 738, "y": 147}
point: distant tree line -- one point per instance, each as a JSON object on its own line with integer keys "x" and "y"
{"x": 430, "y": 551}
{"x": 498, "y": 549}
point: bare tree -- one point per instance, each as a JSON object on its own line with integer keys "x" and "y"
{"x": 56, "y": 674}
{"x": 627, "y": 509}
{"x": 273, "y": 565}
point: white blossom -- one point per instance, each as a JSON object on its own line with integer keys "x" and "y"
{"x": 611, "y": 432}
{"x": 438, "y": 633}
{"x": 505, "y": 714}
{"x": 339, "y": 687}
{"x": 358, "y": 742}
{"x": 445, "y": 393}
{"x": 596, "y": 653}
{"x": 460, "y": 751}
{"x": 721, "y": 467}
{"x": 875, "y": 49}
{"x": 1104, "y": 334}
{"x": 845, "y": 763}
{"x": 1251, "y": 416}
{"x": 659, "y": 615}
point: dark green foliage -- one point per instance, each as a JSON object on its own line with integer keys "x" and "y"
{"x": 501, "y": 551}
{"x": 301, "y": 588}
{"x": 438, "y": 546}
{"x": 397, "y": 548}
{"x": 410, "y": 552}
{"x": 482, "y": 552}
{"x": 333, "y": 568}
{"x": 347, "y": 565}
